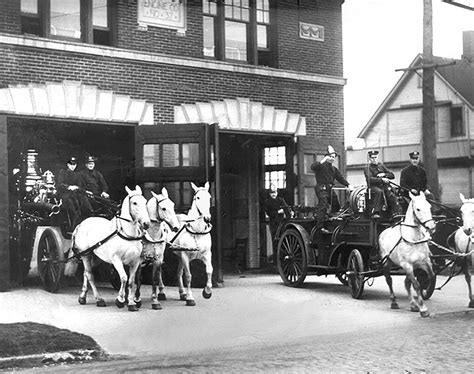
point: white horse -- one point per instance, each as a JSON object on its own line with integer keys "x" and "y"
{"x": 463, "y": 241}
{"x": 163, "y": 221}
{"x": 406, "y": 245}
{"x": 195, "y": 236}
{"x": 117, "y": 241}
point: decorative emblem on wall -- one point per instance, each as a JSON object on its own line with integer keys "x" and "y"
{"x": 310, "y": 31}
{"x": 170, "y": 14}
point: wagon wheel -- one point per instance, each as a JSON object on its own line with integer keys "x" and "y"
{"x": 292, "y": 261}
{"x": 355, "y": 266}
{"x": 50, "y": 261}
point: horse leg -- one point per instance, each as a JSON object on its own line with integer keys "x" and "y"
{"x": 413, "y": 304}
{"x": 132, "y": 304}
{"x": 187, "y": 282}
{"x": 138, "y": 280}
{"x": 467, "y": 275}
{"x": 418, "y": 301}
{"x": 155, "y": 304}
{"x": 182, "y": 292}
{"x": 388, "y": 279}
{"x": 207, "y": 291}
{"x": 161, "y": 285}
{"x": 89, "y": 277}
{"x": 120, "y": 300}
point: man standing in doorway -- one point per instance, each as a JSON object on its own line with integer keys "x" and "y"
{"x": 326, "y": 173}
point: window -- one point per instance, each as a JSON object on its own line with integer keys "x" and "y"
{"x": 457, "y": 125}
{"x": 169, "y": 155}
{"x": 238, "y": 30}
{"x": 77, "y": 20}
{"x": 275, "y": 167}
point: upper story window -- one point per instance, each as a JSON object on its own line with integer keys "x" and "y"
{"x": 457, "y": 125}
{"x": 78, "y": 20}
{"x": 238, "y": 30}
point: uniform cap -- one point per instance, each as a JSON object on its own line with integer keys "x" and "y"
{"x": 331, "y": 151}
{"x": 72, "y": 160}
{"x": 414, "y": 154}
{"x": 373, "y": 153}
{"x": 90, "y": 159}
{"x": 273, "y": 188}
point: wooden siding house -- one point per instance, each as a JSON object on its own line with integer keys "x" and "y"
{"x": 395, "y": 128}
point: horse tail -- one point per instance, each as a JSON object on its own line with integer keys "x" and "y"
{"x": 71, "y": 265}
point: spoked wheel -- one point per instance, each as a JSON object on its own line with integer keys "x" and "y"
{"x": 50, "y": 261}
{"x": 355, "y": 266}
{"x": 292, "y": 261}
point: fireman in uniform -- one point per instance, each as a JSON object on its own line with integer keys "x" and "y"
{"x": 326, "y": 173}
{"x": 413, "y": 177}
{"x": 93, "y": 180}
{"x": 378, "y": 180}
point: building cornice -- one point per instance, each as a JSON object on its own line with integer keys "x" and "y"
{"x": 125, "y": 54}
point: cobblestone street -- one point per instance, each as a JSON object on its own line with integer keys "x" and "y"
{"x": 435, "y": 345}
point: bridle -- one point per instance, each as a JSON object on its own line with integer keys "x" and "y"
{"x": 422, "y": 223}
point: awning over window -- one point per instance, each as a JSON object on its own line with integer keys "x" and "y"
{"x": 241, "y": 114}
{"x": 72, "y": 99}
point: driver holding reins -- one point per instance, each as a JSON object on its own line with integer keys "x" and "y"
{"x": 378, "y": 180}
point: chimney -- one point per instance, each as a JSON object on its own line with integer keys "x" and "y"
{"x": 468, "y": 45}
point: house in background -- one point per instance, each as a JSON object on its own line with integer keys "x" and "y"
{"x": 395, "y": 128}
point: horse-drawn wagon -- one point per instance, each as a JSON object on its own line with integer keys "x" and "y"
{"x": 40, "y": 229}
{"x": 351, "y": 249}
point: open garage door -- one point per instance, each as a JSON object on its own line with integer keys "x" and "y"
{"x": 172, "y": 156}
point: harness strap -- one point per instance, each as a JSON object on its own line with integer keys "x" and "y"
{"x": 95, "y": 246}
{"x": 188, "y": 229}
{"x": 130, "y": 238}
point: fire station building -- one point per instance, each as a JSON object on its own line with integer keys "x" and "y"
{"x": 240, "y": 93}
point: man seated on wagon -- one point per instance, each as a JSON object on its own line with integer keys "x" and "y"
{"x": 378, "y": 182}
{"x": 69, "y": 186}
{"x": 413, "y": 177}
{"x": 326, "y": 173}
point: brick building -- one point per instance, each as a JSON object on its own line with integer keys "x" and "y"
{"x": 241, "y": 93}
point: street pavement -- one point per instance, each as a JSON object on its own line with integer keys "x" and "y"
{"x": 257, "y": 311}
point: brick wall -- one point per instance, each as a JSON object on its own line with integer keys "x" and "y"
{"x": 166, "y": 85}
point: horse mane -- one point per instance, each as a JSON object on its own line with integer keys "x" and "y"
{"x": 125, "y": 210}
{"x": 152, "y": 206}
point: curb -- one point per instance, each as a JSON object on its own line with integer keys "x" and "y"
{"x": 52, "y": 358}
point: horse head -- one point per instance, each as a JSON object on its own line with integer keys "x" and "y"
{"x": 201, "y": 206}
{"x": 134, "y": 208}
{"x": 467, "y": 211}
{"x": 421, "y": 210}
{"x": 161, "y": 208}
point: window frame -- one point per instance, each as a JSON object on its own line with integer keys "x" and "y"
{"x": 254, "y": 54}
{"x": 457, "y": 131}
{"x": 86, "y": 22}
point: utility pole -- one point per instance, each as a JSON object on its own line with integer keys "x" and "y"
{"x": 428, "y": 128}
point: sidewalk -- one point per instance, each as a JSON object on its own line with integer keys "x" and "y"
{"x": 249, "y": 309}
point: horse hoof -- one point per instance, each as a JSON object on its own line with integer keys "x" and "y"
{"x": 206, "y": 295}
{"x": 471, "y": 304}
{"x": 414, "y": 308}
{"x": 100, "y": 303}
{"x": 190, "y": 303}
{"x": 119, "y": 303}
{"x": 394, "y": 306}
{"x": 182, "y": 296}
{"x": 132, "y": 308}
{"x": 161, "y": 296}
{"x": 425, "y": 314}
{"x": 138, "y": 304}
{"x": 156, "y": 306}
{"x": 82, "y": 300}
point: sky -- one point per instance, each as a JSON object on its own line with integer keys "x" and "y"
{"x": 380, "y": 36}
